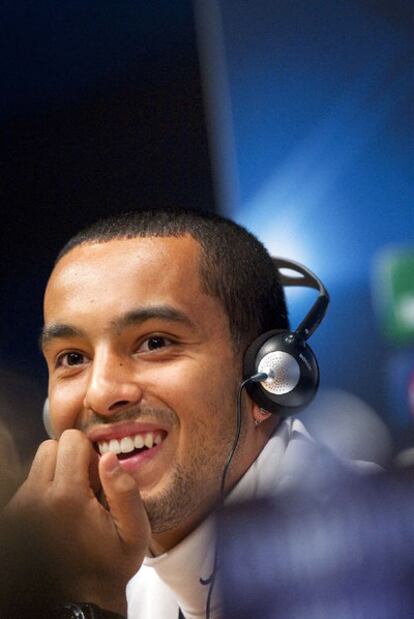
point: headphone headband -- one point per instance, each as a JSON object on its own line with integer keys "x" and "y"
{"x": 307, "y": 279}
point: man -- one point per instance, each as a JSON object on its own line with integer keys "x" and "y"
{"x": 146, "y": 320}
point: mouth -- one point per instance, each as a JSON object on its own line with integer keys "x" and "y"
{"x": 131, "y": 445}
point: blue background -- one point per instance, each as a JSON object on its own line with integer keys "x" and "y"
{"x": 322, "y": 121}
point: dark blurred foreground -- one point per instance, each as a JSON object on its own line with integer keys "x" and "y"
{"x": 336, "y": 545}
{"x": 343, "y": 552}
{"x": 29, "y": 583}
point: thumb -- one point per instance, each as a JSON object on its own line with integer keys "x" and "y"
{"x": 125, "y": 503}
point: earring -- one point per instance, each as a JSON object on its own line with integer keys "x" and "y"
{"x": 264, "y": 415}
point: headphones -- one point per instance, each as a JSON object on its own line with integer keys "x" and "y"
{"x": 290, "y": 366}
{"x": 47, "y": 424}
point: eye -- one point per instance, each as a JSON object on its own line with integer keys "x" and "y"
{"x": 155, "y": 342}
{"x": 70, "y": 359}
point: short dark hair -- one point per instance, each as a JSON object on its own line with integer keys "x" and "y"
{"x": 234, "y": 265}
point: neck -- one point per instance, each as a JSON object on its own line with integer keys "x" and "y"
{"x": 163, "y": 541}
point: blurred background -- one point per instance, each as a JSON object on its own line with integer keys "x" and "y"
{"x": 295, "y": 118}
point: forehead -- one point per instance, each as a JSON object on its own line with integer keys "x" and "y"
{"x": 119, "y": 269}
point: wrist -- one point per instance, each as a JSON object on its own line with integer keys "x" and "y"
{"x": 106, "y": 596}
{"x": 82, "y": 610}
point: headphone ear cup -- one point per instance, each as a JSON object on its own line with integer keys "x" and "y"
{"x": 46, "y": 419}
{"x": 293, "y": 373}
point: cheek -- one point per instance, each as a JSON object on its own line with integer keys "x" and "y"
{"x": 204, "y": 400}
{"x": 191, "y": 385}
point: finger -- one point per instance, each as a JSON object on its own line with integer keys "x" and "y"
{"x": 40, "y": 475}
{"x": 43, "y": 466}
{"x": 94, "y": 481}
{"x": 125, "y": 504}
{"x": 74, "y": 456}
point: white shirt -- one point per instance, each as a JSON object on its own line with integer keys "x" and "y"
{"x": 172, "y": 580}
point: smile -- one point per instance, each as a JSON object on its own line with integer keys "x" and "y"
{"x": 131, "y": 445}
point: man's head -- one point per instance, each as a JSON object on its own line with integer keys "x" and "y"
{"x": 234, "y": 266}
{"x": 146, "y": 319}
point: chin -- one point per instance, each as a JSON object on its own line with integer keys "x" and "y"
{"x": 169, "y": 510}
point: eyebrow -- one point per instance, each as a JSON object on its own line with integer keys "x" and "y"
{"x": 133, "y": 317}
{"x": 56, "y": 331}
{"x": 142, "y": 314}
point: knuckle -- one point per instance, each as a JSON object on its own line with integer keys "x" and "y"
{"x": 125, "y": 485}
{"x": 47, "y": 447}
{"x": 120, "y": 488}
{"x": 58, "y": 498}
{"x": 71, "y": 434}
{"x": 62, "y": 500}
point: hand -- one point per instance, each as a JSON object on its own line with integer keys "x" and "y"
{"x": 96, "y": 549}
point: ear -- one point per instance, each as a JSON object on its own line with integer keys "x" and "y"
{"x": 47, "y": 422}
{"x": 259, "y": 414}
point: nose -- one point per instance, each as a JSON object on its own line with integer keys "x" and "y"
{"x": 113, "y": 386}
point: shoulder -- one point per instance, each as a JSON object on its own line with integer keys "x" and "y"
{"x": 308, "y": 463}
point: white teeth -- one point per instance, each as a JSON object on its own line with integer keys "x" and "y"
{"x": 129, "y": 443}
{"x": 114, "y": 446}
{"x": 103, "y": 447}
{"x": 149, "y": 440}
{"x": 138, "y": 441}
